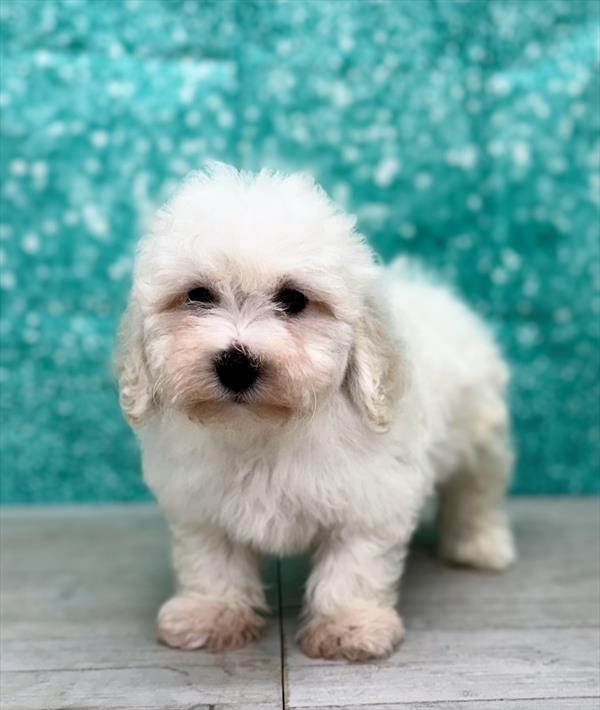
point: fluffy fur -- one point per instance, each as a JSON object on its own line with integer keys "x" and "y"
{"x": 385, "y": 387}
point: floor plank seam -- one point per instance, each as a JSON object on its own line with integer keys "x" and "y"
{"x": 282, "y": 639}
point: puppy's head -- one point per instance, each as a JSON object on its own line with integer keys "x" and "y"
{"x": 252, "y": 301}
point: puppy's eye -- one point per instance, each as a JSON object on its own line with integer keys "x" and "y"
{"x": 291, "y": 301}
{"x": 200, "y": 295}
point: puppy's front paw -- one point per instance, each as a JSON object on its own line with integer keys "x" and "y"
{"x": 187, "y": 622}
{"x": 360, "y": 634}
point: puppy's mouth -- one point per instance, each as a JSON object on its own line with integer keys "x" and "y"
{"x": 261, "y": 399}
{"x": 241, "y": 399}
{"x": 238, "y": 410}
{"x": 253, "y": 399}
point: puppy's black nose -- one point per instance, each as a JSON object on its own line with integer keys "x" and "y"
{"x": 236, "y": 370}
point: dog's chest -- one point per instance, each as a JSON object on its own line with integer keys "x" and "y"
{"x": 270, "y": 506}
{"x": 278, "y": 498}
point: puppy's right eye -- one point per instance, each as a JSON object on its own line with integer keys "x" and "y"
{"x": 200, "y": 295}
{"x": 291, "y": 301}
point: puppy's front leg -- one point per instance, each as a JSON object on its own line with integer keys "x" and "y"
{"x": 350, "y": 596}
{"x": 218, "y": 591}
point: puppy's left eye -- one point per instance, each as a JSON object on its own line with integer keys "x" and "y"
{"x": 291, "y": 301}
{"x": 200, "y": 295}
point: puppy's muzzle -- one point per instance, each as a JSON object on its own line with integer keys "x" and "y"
{"x": 236, "y": 369}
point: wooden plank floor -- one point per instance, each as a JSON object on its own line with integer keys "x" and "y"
{"x": 80, "y": 588}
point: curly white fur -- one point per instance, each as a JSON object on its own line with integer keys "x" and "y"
{"x": 385, "y": 387}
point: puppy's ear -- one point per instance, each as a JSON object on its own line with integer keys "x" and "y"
{"x": 135, "y": 392}
{"x": 375, "y": 373}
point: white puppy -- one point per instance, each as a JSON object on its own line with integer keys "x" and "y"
{"x": 290, "y": 395}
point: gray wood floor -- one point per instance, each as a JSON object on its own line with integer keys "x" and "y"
{"x": 80, "y": 587}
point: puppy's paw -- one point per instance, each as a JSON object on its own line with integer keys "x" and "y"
{"x": 491, "y": 548}
{"x": 190, "y": 623}
{"x": 360, "y": 634}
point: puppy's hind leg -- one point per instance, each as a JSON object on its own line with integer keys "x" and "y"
{"x": 472, "y": 520}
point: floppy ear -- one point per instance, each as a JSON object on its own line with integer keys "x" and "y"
{"x": 135, "y": 393}
{"x": 374, "y": 377}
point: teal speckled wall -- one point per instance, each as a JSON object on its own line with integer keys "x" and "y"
{"x": 462, "y": 131}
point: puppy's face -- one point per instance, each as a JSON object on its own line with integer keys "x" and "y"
{"x": 237, "y": 338}
{"x": 247, "y": 299}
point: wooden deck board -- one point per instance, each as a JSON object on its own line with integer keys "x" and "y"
{"x": 516, "y": 639}
{"x": 80, "y": 588}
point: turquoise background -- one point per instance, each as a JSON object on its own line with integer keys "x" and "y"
{"x": 464, "y": 132}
